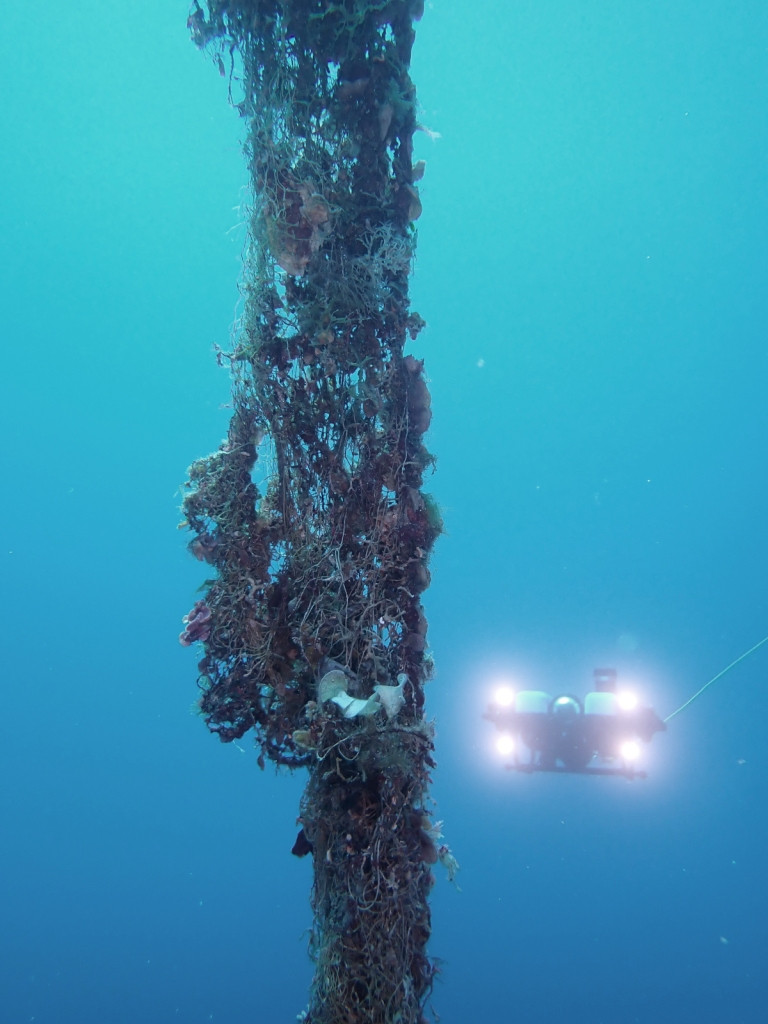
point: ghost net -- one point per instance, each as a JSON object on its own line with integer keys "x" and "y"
{"x": 312, "y": 626}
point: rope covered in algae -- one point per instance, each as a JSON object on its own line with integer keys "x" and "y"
{"x": 311, "y": 513}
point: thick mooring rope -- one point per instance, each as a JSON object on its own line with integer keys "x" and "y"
{"x": 312, "y": 625}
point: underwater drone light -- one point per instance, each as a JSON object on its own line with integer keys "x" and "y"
{"x": 504, "y": 695}
{"x": 505, "y": 745}
{"x": 630, "y": 750}
{"x": 627, "y": 701}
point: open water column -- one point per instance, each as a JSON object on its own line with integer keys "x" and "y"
{"x": 311, "y": 625}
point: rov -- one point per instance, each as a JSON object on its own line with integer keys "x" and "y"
{"x": 601, "y": 735}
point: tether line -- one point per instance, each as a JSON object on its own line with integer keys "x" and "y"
{"x": 719, "y": 675}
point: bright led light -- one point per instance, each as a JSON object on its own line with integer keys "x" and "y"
{"x": 504, "y": 696}
{"x": 630, "y": 750}
{"x": 505, "y": 744}
{"x": 627, "y": 701}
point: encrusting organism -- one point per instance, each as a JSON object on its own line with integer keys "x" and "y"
{"x": 312, "y": 628}
{"x": 198, "y": 624}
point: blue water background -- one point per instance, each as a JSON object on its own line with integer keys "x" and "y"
{"x": 592, "y": 267}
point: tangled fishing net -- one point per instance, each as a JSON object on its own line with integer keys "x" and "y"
{"x": 311, "y": 513}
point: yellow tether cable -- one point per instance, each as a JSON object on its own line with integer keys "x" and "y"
{"x": 715, "y": 678}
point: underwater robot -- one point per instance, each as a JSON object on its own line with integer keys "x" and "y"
{"x": 602, "y": 734}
